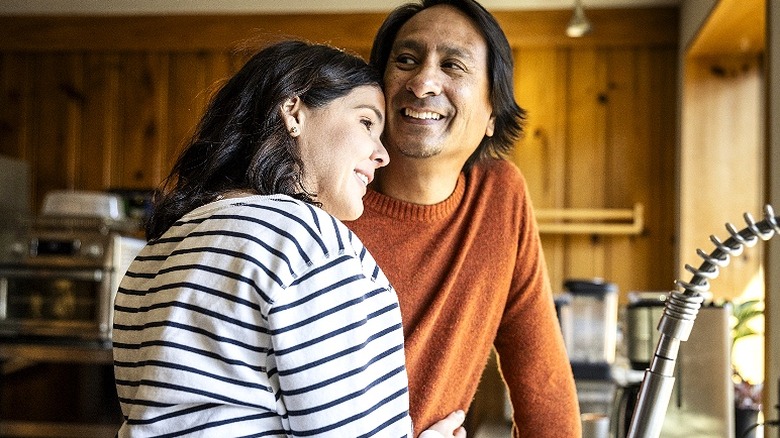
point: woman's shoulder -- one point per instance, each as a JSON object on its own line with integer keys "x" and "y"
{"x": 306, "y": 223}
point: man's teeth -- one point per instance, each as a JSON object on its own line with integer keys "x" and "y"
{"x": 362, "y": 177}
{"x": 425, "y": 115}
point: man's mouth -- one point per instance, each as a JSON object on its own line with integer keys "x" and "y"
{"x": 422, "y": 115}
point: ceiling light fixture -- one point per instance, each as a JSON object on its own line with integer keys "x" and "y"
{"x": 579, "y": 25}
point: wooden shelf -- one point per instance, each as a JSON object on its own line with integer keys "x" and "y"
{"x": 613, "y": 221}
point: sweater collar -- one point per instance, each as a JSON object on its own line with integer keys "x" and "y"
{"x": 402, "y": 210}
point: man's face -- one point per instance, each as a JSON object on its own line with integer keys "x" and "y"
{"x": 437, "y": 88}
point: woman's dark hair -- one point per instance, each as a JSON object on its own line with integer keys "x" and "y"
{"x": 509, "y": 117}
{"x": 241, "y": 142}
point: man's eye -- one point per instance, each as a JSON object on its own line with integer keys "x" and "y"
{"x": 404, "y": 59}
{"x": 453, "y": 65}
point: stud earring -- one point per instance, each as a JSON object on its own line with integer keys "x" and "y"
{"x": 294, "y": 131}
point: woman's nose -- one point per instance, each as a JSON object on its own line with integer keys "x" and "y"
{"x": 380, "y": 157}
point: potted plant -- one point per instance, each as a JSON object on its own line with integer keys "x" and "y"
{"x": 747, "y": 395}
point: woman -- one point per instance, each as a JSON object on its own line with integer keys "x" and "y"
{"x": 253, "y": 311}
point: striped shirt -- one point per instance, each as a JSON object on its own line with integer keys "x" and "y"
{"x": 259, "y": 316}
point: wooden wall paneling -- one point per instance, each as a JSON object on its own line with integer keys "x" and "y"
{"x": 101, "y": 124}
{"x": 53, "y": 93}
{"x": 745, "y": 174}
{"x": 585, "y": 168}
{"x": 722, "y": 173}
{"x": 216, "y": 32}
{"x": 143, "y": 111}
{"x": 541, "y": 89}
{"x": 14, "y": 104}
{"x": 182, "y": 33}
{"x": 658, "y": 69}
{"x": 72, "y": 86}
{"x": 188, "y": 85}
{"x": 625, "y": 160}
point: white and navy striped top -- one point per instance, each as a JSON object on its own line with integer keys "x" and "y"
{"x": 259, "y": 317}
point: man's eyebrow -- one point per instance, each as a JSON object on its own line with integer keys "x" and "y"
{"x": 448, "y": 50}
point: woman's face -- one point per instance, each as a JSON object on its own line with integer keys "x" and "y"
{"x": 341, "y": 149}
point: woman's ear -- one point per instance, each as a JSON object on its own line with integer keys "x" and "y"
{"x": 292, "y": 115}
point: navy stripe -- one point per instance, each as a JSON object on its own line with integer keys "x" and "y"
{"x": 339, "y": 238}
{"x": 353, "y": 418}
{"x": 235, "y": 254}
{"x": 321, "y": 315}
{"x": 223, "y": 273}
{"x": 336, "y": 355}
{"x": 314, "y": 217}
{"x": 338, "y": 401}
{"x": 189, "y": 390}
{"x": 315, "y": 235}
{"x": 175, "y": 366}
{"x": 192, "y": 410}
{"x": 309, "y": 297}
{"x": 342, "y": 330}
{"x": 189, "y": 328}
{"x": 351, "y": 373}
{"x": 145, "y": 403}
{"x": 194, "y": 308}
{"x": 198, "y": 351}
{"x": 273, "y": 228}
{"x": 386, "y": 424}
{"x": 249, "y": 237}
{"x": 214, "y": 424}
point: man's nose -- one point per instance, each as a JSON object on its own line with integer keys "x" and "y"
{"x": 426, "y": 82}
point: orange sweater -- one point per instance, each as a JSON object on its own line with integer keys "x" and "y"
{"x": 470, "y": 273}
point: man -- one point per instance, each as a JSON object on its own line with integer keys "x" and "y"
{"x": 451, "y": 224}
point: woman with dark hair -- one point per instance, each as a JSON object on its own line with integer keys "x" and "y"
{"x": 252, "y": 310}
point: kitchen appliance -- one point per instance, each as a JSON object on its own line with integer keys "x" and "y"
{"x": 592, "y": 341}
{"x": 702, "y": 401}
{"x": 594, "y": 321}
{"x": 60, "y": 271}
{"x": 643, "y": 312}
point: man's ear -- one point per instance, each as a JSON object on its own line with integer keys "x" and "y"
{"x": 491, "y": 126}
{"x": 292, "y": 115}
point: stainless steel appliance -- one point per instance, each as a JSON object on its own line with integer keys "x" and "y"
{"x": 702, "y": 401}
{"x": 59, "y": 272}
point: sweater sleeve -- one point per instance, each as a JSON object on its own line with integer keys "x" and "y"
{"x": 529, "y": 344}
{"x": 338, "y": 353}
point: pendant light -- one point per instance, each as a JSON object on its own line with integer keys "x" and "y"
{"x": 579, "y": 24}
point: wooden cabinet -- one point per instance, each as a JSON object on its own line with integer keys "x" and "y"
{"x": 57, "y": 390}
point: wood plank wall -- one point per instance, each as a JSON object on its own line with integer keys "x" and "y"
{"x": 105, "y": 102}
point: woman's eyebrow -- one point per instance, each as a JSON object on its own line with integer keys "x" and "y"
{"x": 372, "y": 108}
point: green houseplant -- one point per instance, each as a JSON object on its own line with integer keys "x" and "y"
{"x": 747, "y": 395}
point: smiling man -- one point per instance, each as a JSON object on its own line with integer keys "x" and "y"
{"x": 451, "y": 224}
